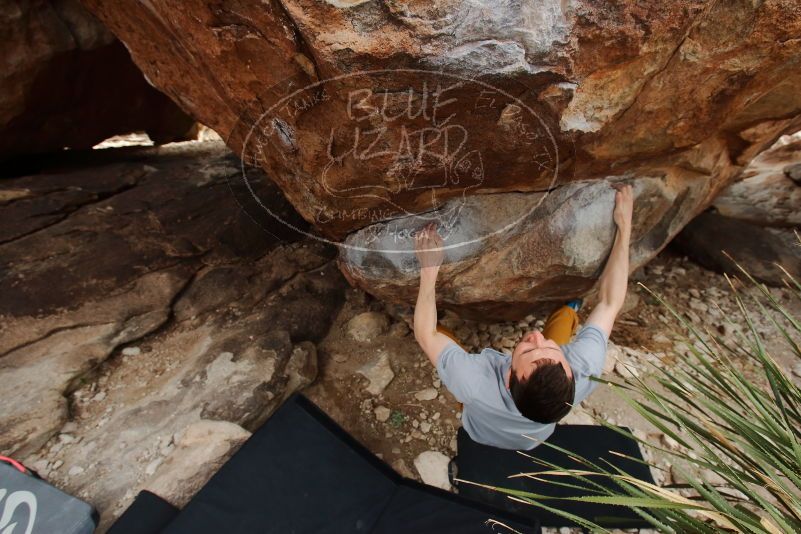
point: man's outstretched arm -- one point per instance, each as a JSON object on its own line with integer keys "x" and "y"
{"x": 428, "y": 245}
{"x": 615, "y": 277}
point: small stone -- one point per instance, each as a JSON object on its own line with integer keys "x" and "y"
{"x": 577, "y": 417}
{"x": 626, "y": 370}
{"x": 425, "y": 427}
{"x": 694, "y": 293}
{"x": 379, "y": 373}
{"x": 131, "y": 351}
{"x": 433, "y": 469}
{"x": 435, "y": 416}
{"x": 40, "y": 465}
{"x": 698, "y": 306}
{"x": 692, "y": 316}
{"x": 670, "y": 443}
{"x": 99, "y": 397}
{"x": 69, "y": 426}
{"x": 402, "y": 469}
{"x": 613, "y": 355}
{"x": 437, "y": 383}
{"x": 399, "y": 329}
{"x": 66, "y": 438}
{"x": 57, "y": 464}
{"x": 382, "y": 413}
{"x": 75, "y": 470}
{"x": 416, "y": 423}
{"x": 426, "y": 394}
{"x": 712, "y": 478}
{"x": 630, "y": 302}
{"x": 661, "y": 338}
{"x": 367, "y": 326}
{"x": 152, "y": 466}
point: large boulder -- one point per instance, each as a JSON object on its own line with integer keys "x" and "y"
{"x": 68, "y": 82}
{"x": 366, "y": 112}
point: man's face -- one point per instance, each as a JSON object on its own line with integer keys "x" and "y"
{"x": 534, "y": 350}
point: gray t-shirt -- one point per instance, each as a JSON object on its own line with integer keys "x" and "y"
{"x": 479, "y": 382}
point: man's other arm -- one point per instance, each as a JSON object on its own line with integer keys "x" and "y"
{"x": 615, "y": 276}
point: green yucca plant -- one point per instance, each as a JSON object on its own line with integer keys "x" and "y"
{"x": 745, "y": 430}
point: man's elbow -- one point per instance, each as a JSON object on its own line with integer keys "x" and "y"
{"x": 610, "y": 307}
{"x": 423, "y": 337}
{"x": 612, "y": 299}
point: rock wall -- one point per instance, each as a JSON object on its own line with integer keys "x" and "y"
{"x": 368, "y": 114}
{"x": 68, "y": 82}
{"x": 756, "y": 220}
{"x": 146, "y": 317}
{"x": 768, "y": 192}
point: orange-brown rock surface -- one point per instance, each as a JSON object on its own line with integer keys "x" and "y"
{"x": 368, "y": 113}
{"x": 67, "y": 82}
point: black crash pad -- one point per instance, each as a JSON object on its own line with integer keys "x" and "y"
{"x": 148, "y": 514}
{"x": 492, "y": 466}
{"x": 301, "y": 473}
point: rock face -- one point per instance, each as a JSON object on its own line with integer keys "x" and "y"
{"x": 143, "y": 301}
{"x": 555, "y": 247}
{"x": 769, "y": 190}
{"x": 720, "y": 243}
{"x": 369, "y": 114}
{"x": 67, "y": 82}
{"x": 755, "y": 220}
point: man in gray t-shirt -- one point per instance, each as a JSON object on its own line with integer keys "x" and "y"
{"x": 514, "y": 401}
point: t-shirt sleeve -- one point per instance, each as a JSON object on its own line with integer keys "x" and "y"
{"x": 586, "y": 355}
{"x": 460, "y": 371}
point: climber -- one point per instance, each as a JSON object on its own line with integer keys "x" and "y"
{"x": 513, "y": 402}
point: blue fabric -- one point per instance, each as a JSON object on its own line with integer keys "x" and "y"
{"x": 478, "y": 381}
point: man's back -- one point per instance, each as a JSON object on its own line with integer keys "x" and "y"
{"x": 479, "y": 382}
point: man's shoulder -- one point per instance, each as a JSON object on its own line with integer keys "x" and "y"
{"x": 493, "y": 357}
{"x": 587, "y": 351}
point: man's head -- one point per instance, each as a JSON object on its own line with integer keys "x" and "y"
{"x": 541, "y": 380}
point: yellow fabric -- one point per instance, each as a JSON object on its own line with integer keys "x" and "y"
{"x": 442, "y": 330}
{"x": 561, "y": 325}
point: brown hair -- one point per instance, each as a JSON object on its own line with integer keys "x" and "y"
{"x": 546, "y": 396}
